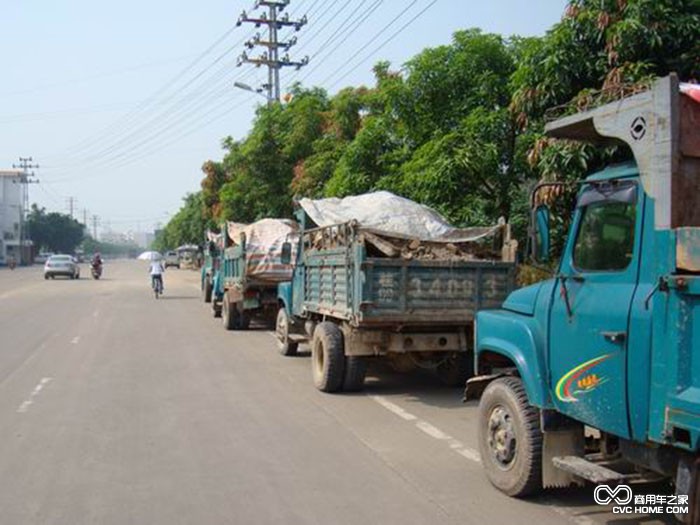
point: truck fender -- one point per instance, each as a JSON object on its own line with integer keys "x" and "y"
{"x": 506, "y": 342}
{"x": 284, "y": 296}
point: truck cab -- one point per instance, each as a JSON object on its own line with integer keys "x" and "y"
{"x": 600, "y": 365}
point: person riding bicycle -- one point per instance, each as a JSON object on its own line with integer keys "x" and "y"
{"x": 156, "y": 271}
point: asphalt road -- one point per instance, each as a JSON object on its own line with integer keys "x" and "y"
{"x": 119, "y": 409}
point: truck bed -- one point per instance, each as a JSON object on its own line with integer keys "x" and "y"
{"x": 377, "y": 291}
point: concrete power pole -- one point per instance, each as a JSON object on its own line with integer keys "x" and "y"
{"x": 95, "y": 220}
{"x": 25, "y": 164}
{"x": 271, "y": 58}
{"x": 70, "y": 202}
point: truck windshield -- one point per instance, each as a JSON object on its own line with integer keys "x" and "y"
{"x": 605, "y": 239}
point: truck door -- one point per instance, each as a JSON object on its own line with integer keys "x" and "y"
{"x": 589, "y": 318}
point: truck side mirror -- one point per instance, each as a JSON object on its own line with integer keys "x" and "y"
{"x": 539, "y": 240}
{"x": 286, "y": 255}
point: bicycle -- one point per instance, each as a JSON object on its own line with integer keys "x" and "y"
{"x": 157, "y": 285}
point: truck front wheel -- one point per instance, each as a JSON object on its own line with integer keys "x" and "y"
{"x": 510, "y": 439}
{"x": 328, "y": 357}
{"x": 207, "y": 289}
{"x": 286, "y": 347}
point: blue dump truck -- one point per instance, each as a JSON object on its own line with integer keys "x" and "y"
{"x": 210, "y": 278}
{"x": 594, "y": 374}
{"x": 358, "y": 294}
{"x": 251, "y": 269}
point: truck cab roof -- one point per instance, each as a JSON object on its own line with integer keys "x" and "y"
{"x": 615, "y": 171}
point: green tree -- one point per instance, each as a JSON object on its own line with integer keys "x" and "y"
{"x": 53, "y": 231}
{"x": 186, "y": 227}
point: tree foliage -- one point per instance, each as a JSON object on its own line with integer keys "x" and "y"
{"x": 186, "y": 227}
{"x": 55, "y": 232}
{"x": 459, "y": 127}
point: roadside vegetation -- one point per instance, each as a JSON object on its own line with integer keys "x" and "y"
{"x": 458, "y": 127}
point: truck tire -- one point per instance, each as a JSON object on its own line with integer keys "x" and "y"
{"x": 286, "y": 347}
{"x": 355, "y": 371}
{"x": 455, "y": 371}
{"x": 228, "y": 313}
{"x": 207, "y": 289}
{"x": 327, "y": 357}
{"x": 510, "y": 439}
{"x": 242, "y": 320}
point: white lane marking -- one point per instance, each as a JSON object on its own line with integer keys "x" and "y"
{"x": 30, "y": 400}
{"x": 75, "y": 340}
{"x": 391, "y": 407}
{"x": 471, "y": 454}
{"x": 430, "y": 429}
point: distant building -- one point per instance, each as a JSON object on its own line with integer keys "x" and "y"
{"x": 11, "y": 224}
{"x": 143, "y": 239}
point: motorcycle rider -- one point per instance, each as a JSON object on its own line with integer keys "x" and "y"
{"x": 96, "y": 265}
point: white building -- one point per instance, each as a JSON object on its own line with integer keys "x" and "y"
{"x": 11, "y": 201}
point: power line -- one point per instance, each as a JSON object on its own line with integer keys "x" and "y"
{"x": 163, "y": 145}
{"x": 379, "y": 47}
{"x": 354, "y": 25}
{"x": 180, "y": 113}
{"x": 143, "y": 107}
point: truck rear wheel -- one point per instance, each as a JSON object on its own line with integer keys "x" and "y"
{"x": 454, "y": 371}
{"x": 207, "y": 289}
{"x": 228, "y": 313}
{"x": 510, "y": 439}
{"x": 328, "y": 357}
{"x": 355, "y": 371}
{"x": 286, "y": 347}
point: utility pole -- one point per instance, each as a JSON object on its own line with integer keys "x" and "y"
{"x": 85, "y": 214}
{"x": 70, "y": 201}
{"x": 25, "y": 164}
{"x": 95, "y": 220}
{"x": 271, "y": 58}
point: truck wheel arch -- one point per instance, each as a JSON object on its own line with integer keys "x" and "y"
{"x": 494, "y": 361}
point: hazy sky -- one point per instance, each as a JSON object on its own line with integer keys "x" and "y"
{"x": 100, "y": 94}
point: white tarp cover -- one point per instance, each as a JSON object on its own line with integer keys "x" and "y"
{"x": 388, "y": 214}
{"x": 216, "y": 238}
{"x": 264, "y": 241}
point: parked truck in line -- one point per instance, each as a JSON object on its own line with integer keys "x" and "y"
{"x": 211, "y": 264}
{"x": 358, "y": 294}
{"x": 251, "y": 269}
{"x": 594, "y": 374}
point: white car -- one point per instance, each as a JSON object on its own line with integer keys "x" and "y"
{"x": 61, "y": 265}
{"x": 171, "y": 259}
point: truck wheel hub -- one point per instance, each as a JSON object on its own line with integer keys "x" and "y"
{"x": 501, "y": 437}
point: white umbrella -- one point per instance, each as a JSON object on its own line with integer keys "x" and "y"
{"x": 150, "y": 256}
